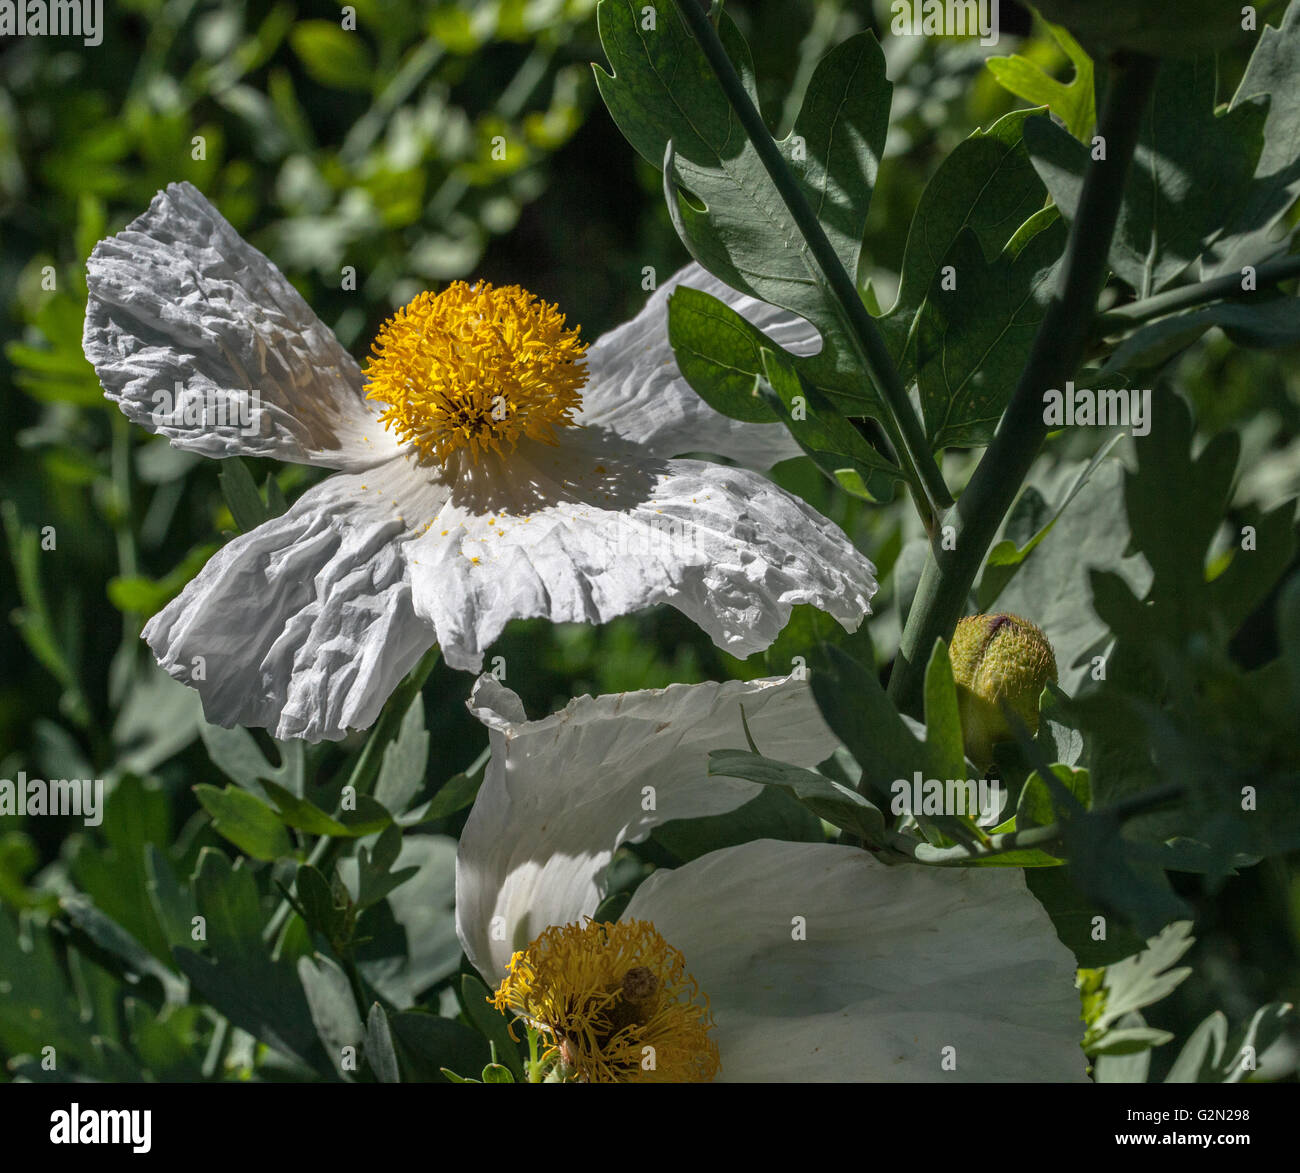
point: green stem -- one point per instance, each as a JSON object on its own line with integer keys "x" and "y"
{"x": 904, "y": 428}
{"x": 1190, "y": 296}
{"x": 215, "y": 1057}
{"x": 1029, "y": 839}
{"x": 962, "y": 854}
{"x": 365, "y": 771}
{"x": 322, "y": 856}
{"x": 1057, "y": 352}
{"x": 389, "y": 724}
{"x": 355, "y": 984}
{"x": 534, "y": 1062}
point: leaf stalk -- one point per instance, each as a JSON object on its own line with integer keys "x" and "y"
{"x": 901, "y": 422}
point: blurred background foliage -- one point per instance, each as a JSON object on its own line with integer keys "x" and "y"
{"x": 363, "y": 163}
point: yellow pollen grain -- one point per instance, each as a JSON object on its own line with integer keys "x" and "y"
{"x": 616, "y": 1002}
{"x": 475, "y": 369}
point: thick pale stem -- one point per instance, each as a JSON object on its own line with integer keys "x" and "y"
{"x": 955, "y": 558}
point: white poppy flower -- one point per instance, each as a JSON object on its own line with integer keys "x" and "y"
{"x": 818, "y": 962}
{"x": 489, "y": 470}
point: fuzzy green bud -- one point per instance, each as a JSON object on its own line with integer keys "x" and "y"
{"x": 998, "y": 658}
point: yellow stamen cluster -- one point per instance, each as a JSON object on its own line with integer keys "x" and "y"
{"x": 474, "y": 368}
{"x": 616, "y": 1001}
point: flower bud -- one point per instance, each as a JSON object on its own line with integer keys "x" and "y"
{"x": 997, "y": 658}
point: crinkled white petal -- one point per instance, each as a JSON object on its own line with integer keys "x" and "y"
{"x": 636, "y": 390}
{"x": 822, "y": 964}
{"x": 304, "y": 625}
{"x": 561, "y": 794}
{"x": 591, "y": 529}
{"x": 197, "y": 336}
{"x": 307, "y": 624}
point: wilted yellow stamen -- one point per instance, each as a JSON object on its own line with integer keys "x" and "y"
{"x": 616, "y": 1001}
{"x": 474, "y": 368}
